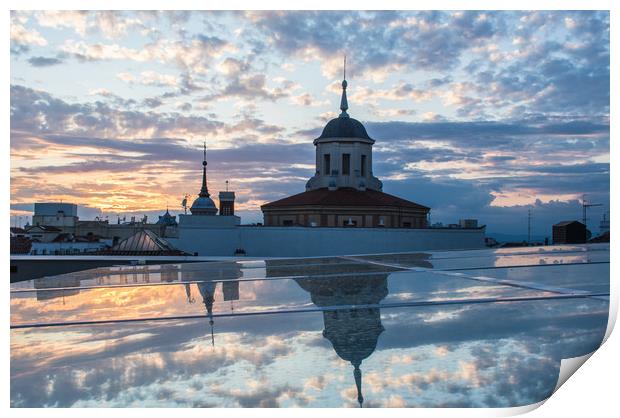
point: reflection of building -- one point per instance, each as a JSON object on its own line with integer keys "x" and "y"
{"x": 56, "y": 282}
{"x": 353, "y": 332}
{"x": 207, "y": 285}
{"x": 344, "y": 192}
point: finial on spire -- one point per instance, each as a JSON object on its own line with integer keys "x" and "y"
{"x": 357, "y": 374}
{"x": 204, "y": 160}
{"x": 212, "y": 337}
{"x": 344, "y": 105}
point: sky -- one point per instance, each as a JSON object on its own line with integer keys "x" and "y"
{"x": 475, "y": 114}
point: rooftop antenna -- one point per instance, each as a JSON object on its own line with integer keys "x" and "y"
{"x": 529, "y": 226}
{"x": 226, "y": 185}
{"x": 585, "y": 207}
{"x": 184, "y": 203}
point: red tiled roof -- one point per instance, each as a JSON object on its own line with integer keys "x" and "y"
{"x": 20, "y": 245}
{"x": 344, "y": 197}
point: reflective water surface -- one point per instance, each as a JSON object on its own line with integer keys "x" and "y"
{"x": 373, "y": 331}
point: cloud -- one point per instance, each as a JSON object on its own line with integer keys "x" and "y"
{"x": 22, "y": 38}
{"x": 150, "y": 78}
{"x": 484, "y": 113}
{"x": 196, "y": 53}
{"x": 44, "y": 61}
{"x": 111, "y": 24}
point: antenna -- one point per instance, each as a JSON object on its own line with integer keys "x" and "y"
{"x": 529, "y": 226}
{"x": 585, "y": 206}
{"x": 226, "y": 185}
{"x": 344, "y": 75}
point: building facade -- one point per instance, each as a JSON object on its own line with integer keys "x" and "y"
{"x": 569, "y": 232}
{"x": 344, "y": 191}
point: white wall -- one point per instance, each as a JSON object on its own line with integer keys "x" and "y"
{"x": 308, "y": 242}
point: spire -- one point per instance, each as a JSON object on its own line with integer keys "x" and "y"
{"x": 343, "y": 101}
{"x": 357, "y": 374}
{"x": 204, "y": 192}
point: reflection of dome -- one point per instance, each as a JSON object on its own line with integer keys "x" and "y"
{"x": 354, "y": 333}
{"x": 344, "y": 127}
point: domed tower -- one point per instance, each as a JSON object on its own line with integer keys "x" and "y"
{"x": 343, "y": 191}
{"x": 344, "y": 153}
{"x": 204, "y": 205}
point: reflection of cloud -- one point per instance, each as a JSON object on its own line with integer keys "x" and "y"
{"x": 499, "y": 355}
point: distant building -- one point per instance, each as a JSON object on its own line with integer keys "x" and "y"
{"x": 203, "y": 210}
{"x": 52, "y": 219}
{"x": 43, "y": 233}
{"x": 167, "y": 219}
{"x": 344, "y": 192}
{"x": 569, "y": 232}
{"x": 20, "y": 244}
{"x": 60, "y": 215}
{"x": 468, "y": 223}
{"x": 143, "y": 243}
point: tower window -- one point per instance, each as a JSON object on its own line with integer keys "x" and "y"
{"x": 346, "y": 160}
{"x": 363, "y": 164}
{"x": 327, "y": 164}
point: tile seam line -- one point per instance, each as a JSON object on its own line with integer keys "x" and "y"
{"x": 323, "y": 309}
{"x": 400, "y": 269}
{"x": 503, "y": 282}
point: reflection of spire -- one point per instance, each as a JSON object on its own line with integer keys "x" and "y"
{"x": 211, "y": 323}
{"x": 231, "y": 292}
{"x": 353, "y": 332}
{"x": 343, "y": 101}
{"x": 357, "y": 374}
{"x": 188, "y": 292}
{"x": 207, "y": 290}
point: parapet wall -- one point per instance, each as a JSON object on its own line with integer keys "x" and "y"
{"x": 308, "y": 242}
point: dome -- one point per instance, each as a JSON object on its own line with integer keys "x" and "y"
{"x": 203, "y": 205}
{"x": 344, "y": 127}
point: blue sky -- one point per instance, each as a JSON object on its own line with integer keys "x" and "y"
{"x": 475, "y": 114}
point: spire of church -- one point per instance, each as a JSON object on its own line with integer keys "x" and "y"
{"x": 343, "y": 101}
{"x": 204, "y": 192}
{"x": 357, "y": 374}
